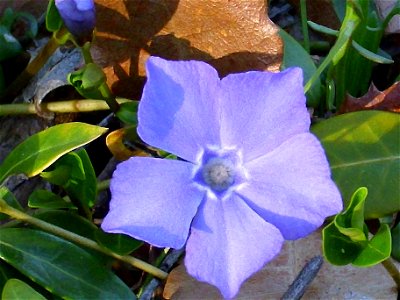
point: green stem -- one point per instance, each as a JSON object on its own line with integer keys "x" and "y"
{"x": 109, "y": 97}
{"x": 69, "y": 106}
{"x": 304, "y": 26}
{"x": 393, "y": 271}
{"x": 75, "y": 238}
{"x": 338, "y": 50}
{"x": 103, "y": 185}
{"x": 87, "y": 56}
{"x": 105, "y": 91}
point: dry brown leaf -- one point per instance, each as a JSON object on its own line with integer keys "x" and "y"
{"x": 115, "y": 143}
{"x": 346, "y": 282}
{"x": 232, "y": 35}
{"x": 388, "y": 100}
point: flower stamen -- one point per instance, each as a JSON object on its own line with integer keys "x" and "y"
{"x": 219, "y": 174}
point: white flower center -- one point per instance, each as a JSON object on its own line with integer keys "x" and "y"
{"x": 219, "y": 174}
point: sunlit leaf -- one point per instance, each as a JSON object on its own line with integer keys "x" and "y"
{"x": 42, "y": 149}
{"x": 363, "y": 150}
{"x": 16, "y": 289}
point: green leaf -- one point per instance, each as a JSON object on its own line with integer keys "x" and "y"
{"x": 10, "y": 199}
{"x": 75, "y": 173}
{"x": 127, "y": 112}
{"x": 363, "y": 150}
{"x": 396, "y": 242}
{"x": 118, "y": 243}
{"x": 377, "y": 250}
{"x": 42, "y": 149}
{"x": 88, "y": 80}
{"x": 46, "y": 199}
{"x": 60, "y": 266}
{"x": 338, "y": 249}
{"x": 371, "y": 55}
{"x": 53, "y": 18}
{"x": 16, "y": 289}
{"x": 9, "y": 45}
{"x": 72, "y": 222}
{"x": 69, "y": 221}
{"x": 295, "y": 55}
{"x": 322, "y": 28}
{"x": 84, "y": 189}
{"x": 351, "y": 221}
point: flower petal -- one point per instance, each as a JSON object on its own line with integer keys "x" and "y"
{"x": 228, "y": 243}
{"x": 178, "y": 110}
{"x": 291, "y": 187}
{"x": 78, "y": 15}
{"x": 261, "y": 110}
{"x": 153, "y": 200}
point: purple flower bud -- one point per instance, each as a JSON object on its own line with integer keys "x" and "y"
{"x": 78, "y": 15}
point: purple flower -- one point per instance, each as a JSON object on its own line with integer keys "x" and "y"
{"x": 78, "y": 15}
{"x": 252, "y": 175}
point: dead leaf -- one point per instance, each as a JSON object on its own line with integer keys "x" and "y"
{"x": 332, "y": 282}
{"x": 232, "y": 35}
{"x": 388, "y": 100}
{"x": 115, "y": 143}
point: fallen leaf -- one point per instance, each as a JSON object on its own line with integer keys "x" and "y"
{"x": 115, "y": 143}
{"x": 232, "y": 35}
{"x": 388, "y": 100}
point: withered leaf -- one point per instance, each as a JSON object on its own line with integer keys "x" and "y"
{"x": 388, "y": 100}
{"x": 232, "y": 35}
{"x": 115, "y": 143}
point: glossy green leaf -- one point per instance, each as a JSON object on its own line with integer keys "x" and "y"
{"x": 53, "y": 18}
{"x": 396, "y": 242}
{"x": 71, "y": 221}
{"x": 9, "y": 197}
{"x": 6, "y": 272}
{"x": 377, "y": 250}
{"x": 363, "y": 150}
{"x": 16, "y": 289}
{"x": 88, "y": 80}
{"x": 75, "y": 173}
{"x": 46, "y": 199}
{"x": 118, "y": 243}
{"x": 42, "y": 149}
{"x": 84, "y": 189}
{"x": 351, "y": 221}
{"x": 68, "y": 167}
{"x": 295, "y": 55}
{"x": 60, "y": 266}
{"x": 338, "y": 248}
{"x": 127, "y": 113}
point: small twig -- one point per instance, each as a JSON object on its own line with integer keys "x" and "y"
{"x": 303, "y": 280}
{"x": 166, "y": 265}
{"x": 69, "y": 106}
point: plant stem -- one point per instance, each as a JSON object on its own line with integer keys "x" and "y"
{"x": 304, "y": 26}
{"x": 75, "y": 238}
{"x": 392, "y": 270}
{"x": 103, "y": 185}
{"x": 70, "y": 106}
